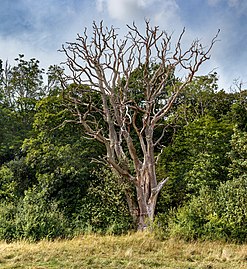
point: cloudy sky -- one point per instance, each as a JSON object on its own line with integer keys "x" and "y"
{"x": 39, "y": 28}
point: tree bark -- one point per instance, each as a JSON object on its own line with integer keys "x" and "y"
{"x": 147, "y": 195}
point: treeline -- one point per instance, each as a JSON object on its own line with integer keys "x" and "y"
{"x": 53, "y": 183}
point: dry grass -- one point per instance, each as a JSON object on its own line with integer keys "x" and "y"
{"x": 140, "y": 250}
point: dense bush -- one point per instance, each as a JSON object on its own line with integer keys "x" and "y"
{"x": 103, "y": 209}
{"x": 32, "y": 219}
{"x": 38, "y": 216}
{"x": 231, "y": 209}
{"x": 214, "y": 215}
{"x": 8, "y": 228}
{"x": 196, "y": 158}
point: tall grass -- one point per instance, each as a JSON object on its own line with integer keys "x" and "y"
{"x": 138, "y": 250}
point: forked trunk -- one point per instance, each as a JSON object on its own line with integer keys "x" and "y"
{"x": 146, "y": 209}
{"x": 147, "y": 199}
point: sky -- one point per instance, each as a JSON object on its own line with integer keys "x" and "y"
{"x": 38, "y": 29}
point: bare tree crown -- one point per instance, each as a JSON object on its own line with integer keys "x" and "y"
{"x": 104, "y": 62}
{"x": 134, "y": 80}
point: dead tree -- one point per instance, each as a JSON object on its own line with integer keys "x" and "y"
{"x": 103, "y": 64}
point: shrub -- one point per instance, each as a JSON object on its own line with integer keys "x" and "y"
{"x": 32, "y": 218}
{"x": 214, "y": 215}
{"x": 103, "y": 209}
{"x": 231, "y": 209}
{"x": 189, "y": 221}
{"x": 8, "y": 229}
{"x": 37, "y": 218}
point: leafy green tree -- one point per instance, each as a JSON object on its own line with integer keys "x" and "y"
{"x": 21, "y": 86}
{"x": 202, "y": 98}
{"x": 196, "y": 157}
{"x": 197, "y": 153}
{"x": 59, "y": 155}
{"x": 211, "y": 170}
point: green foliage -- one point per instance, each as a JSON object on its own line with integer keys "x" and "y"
{"x": 32, "y": 219}
{"x": 59, "y": 155}
{"x": 208, "y": 140}
{"x": 231, "y": 209}
{"x": 238, "y": 113}
{"x": 195, "y": 101}
{"x": 21, "y": 86}
{"x": 23, "y": 176}
{"x": 238, "y": 154}
{"x": 8, "y": 227}
{"x": 49, "y": 186}
{"x": 39, "y": 215}
{"x": 7, "y": 184}
{"x": 208, "y": 169}
{"x": 199, "y": 140}
{"x": 11, "y": 134}
{"x": 202, "y": 98}
{"x": 38, "y": 218}
{"x": 189, "y": 221}
{"x": 61, "y": 158}
{"x": 196, "y": 158}
{"x": 54, "y": 75}
{"x": 214, "y": 215}
{"x": 104, "y": 207}
{"x": 141, "y": 76}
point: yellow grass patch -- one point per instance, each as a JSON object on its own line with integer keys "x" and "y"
{"x": 139, "y": 250}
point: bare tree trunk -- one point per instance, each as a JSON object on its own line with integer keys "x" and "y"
{"x": 147, "y": 196}
{"x": 133, "y": 207}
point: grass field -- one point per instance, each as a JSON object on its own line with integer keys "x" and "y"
{"x": 140, "y": 250}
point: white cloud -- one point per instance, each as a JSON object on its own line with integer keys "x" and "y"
{"x": 123, "y": 9}
{"x": 162, "y": 12}
{"x": 52, "y": 23}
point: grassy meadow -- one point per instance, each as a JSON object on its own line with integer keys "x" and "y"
{"x": 139, "y": 250}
